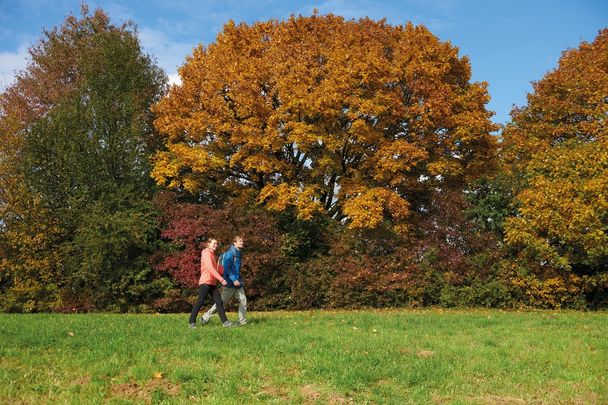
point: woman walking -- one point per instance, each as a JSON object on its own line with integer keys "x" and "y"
{"x": 207, "y": 284}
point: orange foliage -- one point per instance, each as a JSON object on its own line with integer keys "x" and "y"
{"x": 324, "y": 114}
{"x": 557, "y": 146}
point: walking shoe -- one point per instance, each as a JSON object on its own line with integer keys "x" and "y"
{"x": 192, "y": 326}
{"x": 242, "y": 323}
{"x": 204, "y": 321}
{"x": 228, "y": 324}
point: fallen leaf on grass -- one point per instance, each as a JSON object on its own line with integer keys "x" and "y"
{"x": 158, "y": 375}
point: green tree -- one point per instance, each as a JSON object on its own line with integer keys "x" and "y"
{"x": 491, "y": 201}
{"x": 83, "y": 124}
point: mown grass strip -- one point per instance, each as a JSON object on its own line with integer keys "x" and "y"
{"x": 392, "y": 356}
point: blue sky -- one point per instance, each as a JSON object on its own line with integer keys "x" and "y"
{"x": 509, "y": 42}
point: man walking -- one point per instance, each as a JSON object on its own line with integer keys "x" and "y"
{"x": 234, "y": 283}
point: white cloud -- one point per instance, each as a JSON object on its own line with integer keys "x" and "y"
{"x": 11, "y": 63}
{"x": 169, "y": 54}
{"x": 175, "y": 79}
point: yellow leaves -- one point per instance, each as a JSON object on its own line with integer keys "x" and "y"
{"x": 566, "y": 104}
{"x": 190, "y": 183}
{"x": 445, "y": 168}
{"x": 35, "y": 261}
{"x": 260, "y": 163}
{"x": 307, "y": 204}
{"x": 362, "y": 131}
{"x": 165, "y": 168}
{"x": 169, "y": 165}
{"x": 280, "y": 197}
{"x": 315, "y": 103}
{"x": 304, "y": 135}
{"x": 366, "y": 209}
{"x": 396, "y": 158}
{"x": 562, "y": 211}
{"x": 548, "y": 291}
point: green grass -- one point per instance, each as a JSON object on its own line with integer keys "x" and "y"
{"x": 395, "y": 356}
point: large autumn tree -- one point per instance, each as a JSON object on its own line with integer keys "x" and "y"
{"x": 76, "y": 132}
{"x": 556, "y": 152}
{"x": 357, "y": 119}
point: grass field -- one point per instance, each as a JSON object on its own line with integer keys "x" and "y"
{"x": 394, "y": 356}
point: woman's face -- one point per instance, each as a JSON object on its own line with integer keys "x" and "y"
{"x": 212, "y": 244}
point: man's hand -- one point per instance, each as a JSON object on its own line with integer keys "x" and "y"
{"x": 237, "y": 283}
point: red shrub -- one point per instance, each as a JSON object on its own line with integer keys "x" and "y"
{"x": 187, "y": 226}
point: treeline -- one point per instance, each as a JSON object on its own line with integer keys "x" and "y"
{"x": 356, "y": 158}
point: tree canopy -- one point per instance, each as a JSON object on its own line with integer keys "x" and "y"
{"x": 77, "y": 224}
{"x": 356, "y": 119}
{"x": 556, "y": 149}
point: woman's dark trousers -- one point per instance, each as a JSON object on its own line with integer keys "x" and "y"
{"x": 203, "y": 290}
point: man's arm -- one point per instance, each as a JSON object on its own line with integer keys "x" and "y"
{"x": 229, "y": 267}
{"x": 237, "y": 268}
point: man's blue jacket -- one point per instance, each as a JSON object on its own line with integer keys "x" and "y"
{"x": 232, "y": 266}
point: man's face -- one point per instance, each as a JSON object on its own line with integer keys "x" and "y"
{"x": 239, "y": 243}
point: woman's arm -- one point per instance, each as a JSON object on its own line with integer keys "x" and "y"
{"x": 207, "y": 264}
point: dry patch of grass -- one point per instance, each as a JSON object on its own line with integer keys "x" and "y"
{"x": 498, "y": 400}
{"x": 310, "y": 392}
{"x": 426, "y": 353}
{"x": 143, "y": 392}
